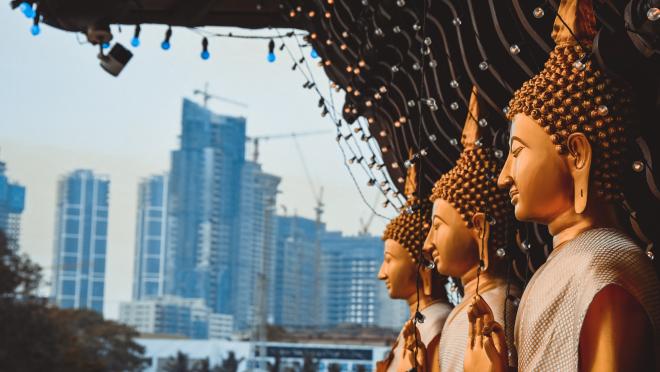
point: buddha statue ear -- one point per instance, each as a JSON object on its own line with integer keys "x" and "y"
{"x": 427, "y": 281}
{"x": 579, "y": 164}
{"x": 481, "y": 228}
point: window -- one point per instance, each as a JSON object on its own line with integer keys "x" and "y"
{"x": 71, "y": 226}
{"x": 153, "y": 265}
{"x": 154, "y": 228}
{"x": 100, "y": 245}
{"x": 99, "y": 265}
{"x": 150, "y": 289}
{"x": 68, "y": 287}
{"x": 70, "y": 245}
{"x": 97, "y": 289}
{"x": 153, "y": 246}
{"x": 70, "y": 263}
{"x": 101, "y": 228}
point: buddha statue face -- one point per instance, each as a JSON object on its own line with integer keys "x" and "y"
{"x": 470, "y": 218}
{"x": 538, "y": 178}
{"x": 398, "y": 271}
{"x": 450, "y": 243}
{"x": 567, "y": 139}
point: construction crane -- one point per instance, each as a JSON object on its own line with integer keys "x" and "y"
{"x": 256, "y": 139}
{"x": 207, "y": 96}
{"x": 364, "y": 225}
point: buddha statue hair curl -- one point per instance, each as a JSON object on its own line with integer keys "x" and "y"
{"x": 570, "y": 95}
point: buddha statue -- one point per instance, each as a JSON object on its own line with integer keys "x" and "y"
{"x": 594, "y": 305}
{"x": 471, "y": 232}
{"x": 417, "y": 344}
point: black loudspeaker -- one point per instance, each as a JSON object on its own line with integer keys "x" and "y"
{"x": 115, "y": 61}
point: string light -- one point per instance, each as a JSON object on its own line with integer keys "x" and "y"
{"x": 35, "y": 29}
{"x": 165, "y": 45}
{"x": 205, "y": 49}
{"x": 313, "y": 53}
{"x": 271, "y": 52}
{"x": 27, "y": 9}
{"x": 135, "y": 41}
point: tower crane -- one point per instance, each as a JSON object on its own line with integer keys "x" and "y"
{"x": 256, "y": 139}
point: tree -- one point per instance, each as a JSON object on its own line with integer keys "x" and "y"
{"x": 37, "y": 337}
{"x": 230, "y": 364}
{"x": 178, "y": 363}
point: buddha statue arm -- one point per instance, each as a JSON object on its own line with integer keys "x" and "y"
{"x": 616, "y": 334}
{"x": 414, "y": 351}
{"x": 486, "y": 348}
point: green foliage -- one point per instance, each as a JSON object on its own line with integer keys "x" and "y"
{"x": 37, "y": 337}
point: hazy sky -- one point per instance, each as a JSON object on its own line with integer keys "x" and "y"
{"x": 60, "y": 111}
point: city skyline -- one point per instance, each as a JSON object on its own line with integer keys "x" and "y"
{"x": 126, "y": 127}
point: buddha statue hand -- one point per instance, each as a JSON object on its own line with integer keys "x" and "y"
{"x": 486, "y": 349}
{"x": 414, "y": 351}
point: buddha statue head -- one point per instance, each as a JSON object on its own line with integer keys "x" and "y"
{"x": 403, "y": 237}
{"x": 471, "y": 219}
{"x": 568, "y": 131}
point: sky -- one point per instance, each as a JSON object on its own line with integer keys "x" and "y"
{"x": 59, "y": 111}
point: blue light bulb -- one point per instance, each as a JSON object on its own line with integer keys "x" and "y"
{"x": 105, "y": 45}
{"x": 313, "y": 53}
{"x": 35, "y": 30}
{"x": 27, "y": 9}
{"x": 135, "y": 42}
{"x": 271, "y": 57}
{"x": 165, "y": 45}
{"x": 205, "y": 55}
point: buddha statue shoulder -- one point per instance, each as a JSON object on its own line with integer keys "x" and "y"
{"x": 471, "y": 230}
{"x": 417, "y": 345}
{"x": 594, "y": 305}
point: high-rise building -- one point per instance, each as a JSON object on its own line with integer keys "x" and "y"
{"x": 150, "y": 238}
{"x": 203, "y": 207}
{"x": 294, "y": 285}
{"x": 176, "y": 316}
{"x": 81, "y": 240}
{"x": 251, "y": 261}
{"x": 352, "y": 292}
{"x": 12, "y": 203}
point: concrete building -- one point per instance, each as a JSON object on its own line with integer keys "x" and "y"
{"x": 174, "y": 316}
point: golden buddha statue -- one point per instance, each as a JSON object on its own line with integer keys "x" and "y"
{"x": 594, "y": 305}
{"x": 417, "y": 344}
{"x": 471, "y": 228}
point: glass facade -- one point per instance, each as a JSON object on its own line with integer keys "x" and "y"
{"x": 203, "y": 206}
{"x": 256, "y": 242}
{"x": 12, "y": 203}
{"x": 352, "y": 292}
{"x": 81, "y": 240}
{"x": 294, "y": 285}
{"x": 150, "y": 238}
